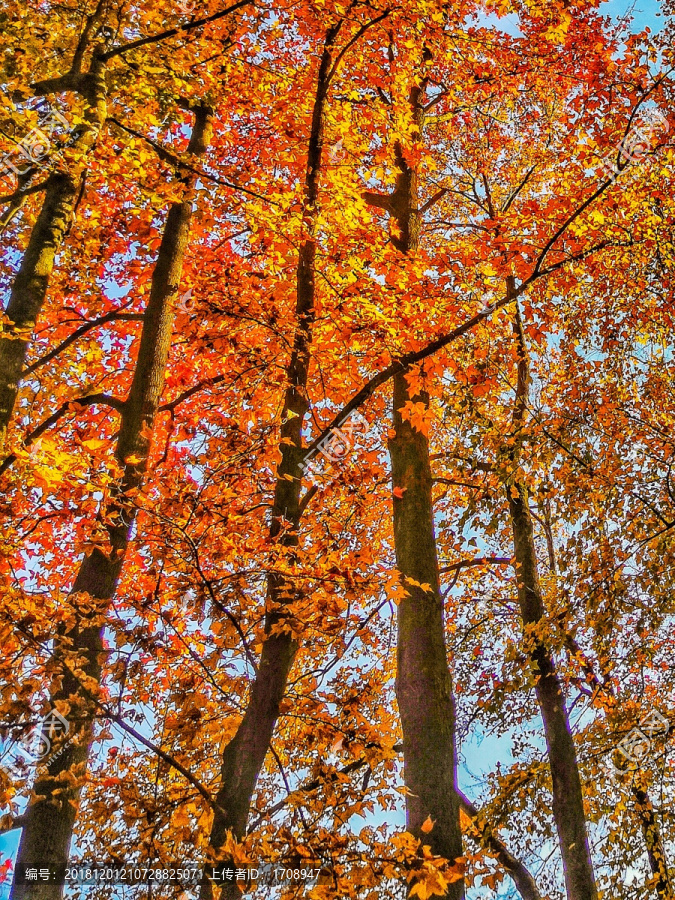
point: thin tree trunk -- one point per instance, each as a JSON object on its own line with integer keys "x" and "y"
{"x": 46, "y": 836}
{"x": 244, "y": 755}
{"x": 30, "y": 286}
{"x": 568, "y": 803}
{"x": 424, "y": 690}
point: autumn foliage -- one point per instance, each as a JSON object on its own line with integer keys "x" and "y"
{"x": 337, "y": 401}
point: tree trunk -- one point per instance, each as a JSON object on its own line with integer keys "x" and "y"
{"x": 568, "y": 803}
{"x": 30, "y": 286}
{"x": 244, "y": 755}
{"x": 46, "y": 836}
{"x": 424, "y": 689}
{"x": 423, "y": 682}
{"x": 653, "y": 841}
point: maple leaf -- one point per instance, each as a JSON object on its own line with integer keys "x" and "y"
{"x": 427, "y": 825}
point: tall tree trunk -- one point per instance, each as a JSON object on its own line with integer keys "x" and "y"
{"x": 30, "y": 286}
{"x": 244, "y": 755}
{"x": 568, "y": 802}
{"x": 423, "y": 682}
{"x": 46, "y": 836}
{"x": 424, "y": 689}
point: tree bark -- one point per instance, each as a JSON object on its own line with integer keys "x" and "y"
{"x": 423, "y": 682}
{"x": 653, "y": 841}
{"x": 424, "y": 690}
{"x": 46, "y": 837}
{"x": 244, "y": 755}
{"x": 32, "y": 280}
{"x": 568, "y": 803}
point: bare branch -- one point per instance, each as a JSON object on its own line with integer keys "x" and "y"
{"x": 436, "y": 197}
{"x": 381, "y": 201}
{"x": 478, "y": 561}
{"x": 353, "y": 40}
{"x": 519, "y": 188}
{"x": 181, "y": 398}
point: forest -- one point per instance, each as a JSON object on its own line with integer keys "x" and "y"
{"x": 337, "y": 406}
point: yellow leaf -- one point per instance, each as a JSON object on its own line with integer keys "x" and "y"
{"x": 428, "y": 825}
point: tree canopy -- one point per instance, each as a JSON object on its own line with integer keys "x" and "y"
{"x": 337, "y": 393}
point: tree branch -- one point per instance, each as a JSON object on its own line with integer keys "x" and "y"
{"x": 108, "y": 714}
{"x": 208, "y": 382}
{"x": 350, "y": 43}
{"x": 171, "y": 32}
{"x": 516, "y": 869}
{"x": 519, "y": 188}
{"x": 521, "y": 876}
{"x": 21, "y": 193}
{"x": 436, "y": 197}
{"x": 381, "y": 201}
{"x": 404, "y": 363}
{"x": 71, "y": 81}
{"x": 12, "y": 823}
{"x": 112, "y": 316}
{"x": 478, "y": 561}
{"x": 49, "y": 422}
{"x": 178, "y": 163}
{"x": 307, "y": 788}
{"x": 168, "y": 759}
